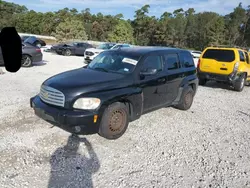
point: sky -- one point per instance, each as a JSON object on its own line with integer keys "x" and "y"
{"x": 128, "y": 7}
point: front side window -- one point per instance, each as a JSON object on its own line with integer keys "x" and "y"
{"x": 247, "y": 58}
{"x": 242, "y": 57}
{"x": 114, "y": 61}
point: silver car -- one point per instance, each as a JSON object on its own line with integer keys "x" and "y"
{"x": 30, "y": 54}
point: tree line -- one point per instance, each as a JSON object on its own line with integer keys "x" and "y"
{"x": 181, "y": 28}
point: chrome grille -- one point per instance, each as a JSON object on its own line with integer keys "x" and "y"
{"x": 52, "y": 96}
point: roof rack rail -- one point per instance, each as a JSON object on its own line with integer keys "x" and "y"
{"x": 229, "y": 46}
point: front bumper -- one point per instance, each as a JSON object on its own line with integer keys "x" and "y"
{"x": 68, "y": 120}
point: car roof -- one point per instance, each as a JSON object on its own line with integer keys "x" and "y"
{"x": 147, "y": 49}
{"x": 226, "y": 48}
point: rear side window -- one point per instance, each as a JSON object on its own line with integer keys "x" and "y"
{"x": 172, "y": 61}
{"x": 242, "y": 57}
{"x": 219, "y": 55}
{"x": 152, "y": 62}
{"x": 186, "y": 59}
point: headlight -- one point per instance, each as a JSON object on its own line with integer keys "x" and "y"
{"x": 87, "y": 103}
{"x": 97, "y": 52}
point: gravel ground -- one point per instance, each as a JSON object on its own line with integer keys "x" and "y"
{"x": 207, "y": 146}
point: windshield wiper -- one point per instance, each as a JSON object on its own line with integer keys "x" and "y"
{"x": 102, "y": 69}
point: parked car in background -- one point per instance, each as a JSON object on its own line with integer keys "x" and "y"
{"x": 195, "y": 54}
{"x": 33, "y": 41}
{"x": 30, "y": 55}
{"x": 74, "y": 48}
{"x": 225, "y": 64}
{"x": 116, "y": 88}
{"x": 91, "y": 53}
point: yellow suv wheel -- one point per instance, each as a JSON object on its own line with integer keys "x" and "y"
{"x": 240, "y": 83}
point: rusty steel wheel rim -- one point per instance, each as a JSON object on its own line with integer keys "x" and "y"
{"x": 188, "y": 98}
{"x": 117, "y": 121}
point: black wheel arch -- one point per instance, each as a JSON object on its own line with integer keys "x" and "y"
{"x": 184, "y": 85}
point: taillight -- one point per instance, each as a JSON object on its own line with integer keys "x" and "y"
{"x": 236, "y": 66}
{"x": 38, "y": 50}
{"x": 198, "y": 65}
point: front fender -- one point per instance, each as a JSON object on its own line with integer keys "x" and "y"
{"x": 131, "y": 96}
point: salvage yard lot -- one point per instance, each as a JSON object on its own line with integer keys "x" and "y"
{"x": 207, "y": 146}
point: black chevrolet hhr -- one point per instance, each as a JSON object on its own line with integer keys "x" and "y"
{"x": 116, "y": 88}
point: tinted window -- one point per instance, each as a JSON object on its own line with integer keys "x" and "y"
{"x": 219, "y": 55}
{"x": 172, "y": 61}
{"x": 247, "y": 57}
{"x": 187, "y": 59}
{"x": 152, "y": 62}
{"x": 242, "y": 57}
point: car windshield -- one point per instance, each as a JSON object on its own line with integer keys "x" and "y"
{"x": 105, "y": 46}
{"x": 114, "y": 61}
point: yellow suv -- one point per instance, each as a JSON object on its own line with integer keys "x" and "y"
{"x": 224, "y": 64}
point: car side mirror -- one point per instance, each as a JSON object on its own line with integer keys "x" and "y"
{"x": 148, "y": 72}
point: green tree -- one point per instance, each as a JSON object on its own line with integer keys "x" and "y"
{"x": 123, "y": 32}
{"x": 70, "y": 29}
{"x": 9, "y": 13}
{"x": 234, "y": 22}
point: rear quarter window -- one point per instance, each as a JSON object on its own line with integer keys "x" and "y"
{"x": 186, "y": 59}
{"x": 172, "y": 61}
{"x": 219, "y": 55}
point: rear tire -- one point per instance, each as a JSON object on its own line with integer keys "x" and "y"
{"x": 240, "y": 83}
{"x": 186, "y": 99}
{"x": 67, "y": 52}
{"x": 26, "y": 61}
{"x": 114, "y": 121}
{"x": 247, "y": 83}
{"x": 202, "y": 81}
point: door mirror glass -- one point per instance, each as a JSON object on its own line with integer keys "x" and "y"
{"x": 148, "y": 72}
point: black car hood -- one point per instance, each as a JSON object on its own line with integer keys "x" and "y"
{"x": 82, "y": 80}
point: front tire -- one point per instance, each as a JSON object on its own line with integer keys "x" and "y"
{"x": 114, "y": 121}
{"x": 186, "y": 99}
{"x": 240, "y": 83}
{"x": 26, "y": 61}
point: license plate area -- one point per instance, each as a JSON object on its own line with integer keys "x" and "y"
{"x": 41, "y": 113}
